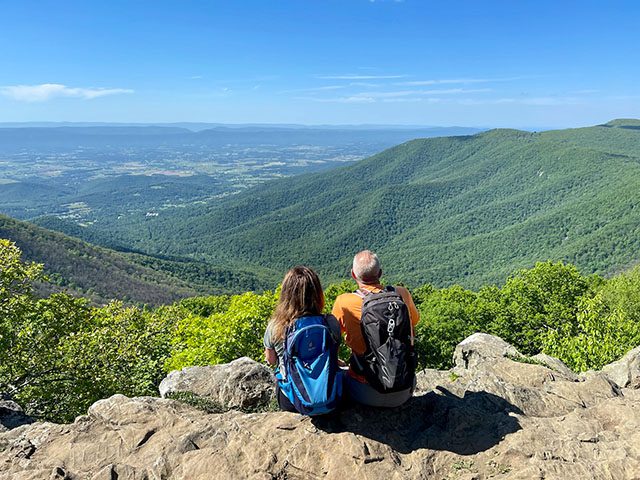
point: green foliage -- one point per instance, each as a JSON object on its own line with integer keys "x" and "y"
{"x": 225, "y": 335}
{"x": 534, "y": 301}
{"x": 119, "y": 350}
{"x": 206, "y": 306}
{"x": 59, "y": 355}
{"x": 448, "y": 316}
{"x": 523, "y": 312}
{"x": 35, "y": 367}
{"x": 606, "y": 327}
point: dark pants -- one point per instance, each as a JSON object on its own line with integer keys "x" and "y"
{"x": 283, "y": 402}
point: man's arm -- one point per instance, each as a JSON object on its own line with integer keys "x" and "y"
{"x": 414, "y": 314}
{"x": 338, "y": 312}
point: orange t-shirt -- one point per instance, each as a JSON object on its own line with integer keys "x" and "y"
{"x": 348, "y": 310}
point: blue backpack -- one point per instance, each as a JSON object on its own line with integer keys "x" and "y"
{"x": 314, "y": 380}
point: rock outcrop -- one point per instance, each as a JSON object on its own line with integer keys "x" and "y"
{"x": 243, "y": 384}
{"x": 12, "y": 415}
{"x": 626, "y": 371}
{"x": 496, "y": 414}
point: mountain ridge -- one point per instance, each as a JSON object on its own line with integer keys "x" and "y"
{"x": 531, "y": 194}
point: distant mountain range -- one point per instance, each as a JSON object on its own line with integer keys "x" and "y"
{"x": 199, "y": 126}
{"x": 467, "y": 209}
{"x": 18, "y": 138}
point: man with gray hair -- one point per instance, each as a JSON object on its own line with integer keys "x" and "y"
{"x": 378, "y": 324}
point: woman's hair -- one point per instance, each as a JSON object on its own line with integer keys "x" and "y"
{"x": 301, "y": 295}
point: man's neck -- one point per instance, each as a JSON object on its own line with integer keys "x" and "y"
{"x": 370, "y": 286}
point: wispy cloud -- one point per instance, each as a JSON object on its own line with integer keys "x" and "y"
{"x": 47, "y": 91}
{"x": 534, "y": 101}
{"x": 586, "y": 91}
{"x": 196, "y": 77}
{"x": 360, "y": 77}
{"x": 346, "y": 99}
{"x": 423, "y": 92}
{"x": 458, "y": 81}
{"x": 430, "y": 95}
{"x": 365, "y": 84}
{"x": 325, "y": 88}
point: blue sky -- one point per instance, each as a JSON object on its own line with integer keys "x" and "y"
{"x": 430, "y": 62}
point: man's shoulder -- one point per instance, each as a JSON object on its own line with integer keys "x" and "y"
{"x": 348, "y": 296}
{"x": 346, "y": 300}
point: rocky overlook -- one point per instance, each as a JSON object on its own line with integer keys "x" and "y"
{"x": 496, "y": 414}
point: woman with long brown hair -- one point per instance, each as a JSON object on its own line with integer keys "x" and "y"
{"x": 303, "y": 343}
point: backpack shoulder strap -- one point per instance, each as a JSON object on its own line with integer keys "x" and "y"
{"x": 326, "y": 323}
{"x": 362, "y": 293}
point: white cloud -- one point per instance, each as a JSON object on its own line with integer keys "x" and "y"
{"x": 47, "y": 91}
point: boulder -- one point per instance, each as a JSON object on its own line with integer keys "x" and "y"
{"x": 12, "y": 415}
{"x": 243, "y": 384}
{"x": 625, "y": 372}
{"x": 480, "y": 349}
{"x": 541, "y": 387}
{"x": 555, "y": 364}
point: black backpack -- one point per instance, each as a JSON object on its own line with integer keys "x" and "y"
{"x": 389, "y": 361}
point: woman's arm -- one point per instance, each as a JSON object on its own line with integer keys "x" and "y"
{"x": 271, "y": 356}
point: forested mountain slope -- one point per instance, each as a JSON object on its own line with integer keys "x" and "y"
{"x": 95, "y": 272}
{"x": 452, "y": 209}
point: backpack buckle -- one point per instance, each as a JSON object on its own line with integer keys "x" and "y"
{"x": 390, "y": 326}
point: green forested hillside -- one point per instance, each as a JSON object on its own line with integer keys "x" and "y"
{"x": 444, "y": 210}
{"x": 103, "y": 274}
{"x": 94, "y": 272}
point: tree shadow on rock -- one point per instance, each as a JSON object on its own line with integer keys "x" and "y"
{"x": 438, "y": 420}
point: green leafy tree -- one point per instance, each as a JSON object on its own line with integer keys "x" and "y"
{"x": 447, "y": 316}
{"x": 535, "y": 301}
{"x": 224, "y": 336}
{"x": 607, "y": 326}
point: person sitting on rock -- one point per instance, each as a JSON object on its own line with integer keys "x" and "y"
{"x": 378, "y": 323}
{"x": 304, "y": 344}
